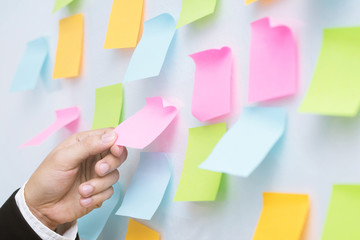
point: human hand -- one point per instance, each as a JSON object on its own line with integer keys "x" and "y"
{"x": 76, "y": 177}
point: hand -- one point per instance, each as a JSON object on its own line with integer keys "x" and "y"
{"x": 76, "y": 177}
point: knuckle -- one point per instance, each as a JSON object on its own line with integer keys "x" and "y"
{"x": 98, "y": 205}
{"x": 116, "y": 175}
{"x": 111, "y": 192}
{"x": 108, "y": 130}
{"x": 125, "y": 153}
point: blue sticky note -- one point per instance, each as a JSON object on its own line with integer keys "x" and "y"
{"x": 147, "y": 187}
{"x": 247, "y": 143}
{"x": 91, "y": 225}
{"x": 28, "y": 71}
{"x": 150, "y": 53}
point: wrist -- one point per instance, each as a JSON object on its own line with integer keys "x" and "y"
{"x": 39, "y": 214}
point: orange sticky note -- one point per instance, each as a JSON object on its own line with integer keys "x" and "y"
{"x": 70, "y": 47}
{"x": 249, "y": 1}
{"x": 283, "y": 216}
{"x": 124, "y": 24}
{"x": 137, "y": 231}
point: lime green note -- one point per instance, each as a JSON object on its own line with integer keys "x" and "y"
{"x": 59, "y": 4}
{"x": 192, "y": 10}
{"x": 335, "y": 86}
{"x": 108, "y": 106}
{"x": 197, "y": 184}
{"x": 343, "y": 217}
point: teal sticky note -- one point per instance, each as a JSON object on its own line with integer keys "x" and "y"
{"x": 147, "y": 187}
{"x": 91, "y": 225}
{"x": 30, "y": 67}
{"x": 150, "y": 53}
{"x": 247, "y": 143}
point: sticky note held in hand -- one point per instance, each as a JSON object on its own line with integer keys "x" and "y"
{"x": 139, "y": 130}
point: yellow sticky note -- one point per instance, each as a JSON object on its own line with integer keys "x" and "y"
{"x": 70, "y": 47}
{"x": 249, "y": 1}
{"x": 192, "y": 10}
{"x": 137, "y": 231}
{"x": 198, "y": 184}
{"x": 335, "y": 86}
{"x": 108, "y": 106}
{"x": 283, "y": 216}
{"x": 124, "y": 24}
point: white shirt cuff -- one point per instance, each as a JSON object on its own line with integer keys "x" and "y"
{"x": 68, "y": 230}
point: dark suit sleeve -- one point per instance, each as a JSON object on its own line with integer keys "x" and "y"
{"x": 13, "y": 225}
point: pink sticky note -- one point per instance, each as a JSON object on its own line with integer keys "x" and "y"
{"x": 212, "y": 85}
{"x": 273, "y": 61}
{"x": 143, "y": 127}
{"x": 63, "y": 119}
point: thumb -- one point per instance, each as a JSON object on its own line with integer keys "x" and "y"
{"x": 89, "y": 144}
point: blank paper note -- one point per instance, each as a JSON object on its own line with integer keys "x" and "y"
{"x": 212, "y": 85}
{"x": 31, "y": 65}
{"x": 108, "y": 106}
{"x": 335, "y": 86}
{"x": 197, "y": 184}
{"x": 192, "y": 10}
{"x": 124, "y": 24}
{"x": 343, "y": 216}
{"x": 59, "y": 4}
{"x": 146, "y": 125}
{"x": 92, "y": 224}
{"x": 70, "y": 47}
{"x": 149, "y": 56}
{"x": 147, "y": 187}
{"x": 273, "y": 61}
{"x": 63, "y": 118}
{"x": 138, "y": 231}
{"x": 283, "y": 216}
{"x": 248, "y": 142}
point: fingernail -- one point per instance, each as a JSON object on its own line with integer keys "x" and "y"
{"x": 86, "y": 201}
{"x": 87, "y": 189}
{"x": 108, "y": 137}
{"x": 104, "y": 168}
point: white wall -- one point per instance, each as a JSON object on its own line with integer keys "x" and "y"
{"x": 315, "y": 153}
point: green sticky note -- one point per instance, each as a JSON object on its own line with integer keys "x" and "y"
{"x": 108, "y": 106}
{"x": 59, "y": 4}
{"x": 192, "y": 10}
{"x": 343, "y": 216}
{"x": 335, "y": 86}
{"x": 197, "y": 184}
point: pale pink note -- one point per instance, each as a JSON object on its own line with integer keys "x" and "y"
{"x": 273, "y": 61}
{"x": 212, "y": 85}
{"x": 64, "y": 117}
{"x": 146, "y": 125}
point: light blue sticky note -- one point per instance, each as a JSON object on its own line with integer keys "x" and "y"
{"x": 91, "y": 225}
{"x": 28, "y": 71}
{"x": 147, "y": 187}
{"x": 248, "y": 142}
{"x": 150, "y": 53}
